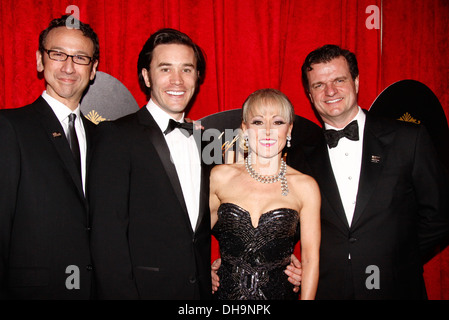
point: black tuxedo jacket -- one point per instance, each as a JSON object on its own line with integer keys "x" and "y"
{"x": 401, "y": 212}
{"x": 144, "y": 246}
{"x": 44, "y": 237}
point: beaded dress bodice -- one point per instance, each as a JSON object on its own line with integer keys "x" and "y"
{"x": 254, "y": 258}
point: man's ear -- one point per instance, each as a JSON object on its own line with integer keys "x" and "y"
{"x": 146, "y": 77}
{"x": 310, "y": 97}
{"x": 94, "y": 70}
{"x": 39, "y": 61}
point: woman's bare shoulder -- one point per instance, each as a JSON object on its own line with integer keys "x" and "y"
{"x": 225, "y": 170}
{"x": 301, "y": 180}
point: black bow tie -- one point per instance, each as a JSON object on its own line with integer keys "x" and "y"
{"x": 351, "y": 131}
{"x": 187, "y": 128}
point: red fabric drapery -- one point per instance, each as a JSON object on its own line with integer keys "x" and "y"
{"x": 249, "y": 44}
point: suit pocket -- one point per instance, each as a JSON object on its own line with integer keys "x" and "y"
{"x": 28, "y": 277}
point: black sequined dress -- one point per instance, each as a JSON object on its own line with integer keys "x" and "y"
{"x": 254, "y": 259}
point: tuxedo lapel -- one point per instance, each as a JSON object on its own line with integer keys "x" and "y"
{"x": 204, "y": 186}
{"x": 157, "y": 139}
{"x": 375, "y": 145}
{"x": 318, "y": 158}
{"x": 57, "y": 137}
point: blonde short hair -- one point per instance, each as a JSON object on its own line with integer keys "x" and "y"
{"x": 261, "y": 98}
{"x": 270, "y": 97}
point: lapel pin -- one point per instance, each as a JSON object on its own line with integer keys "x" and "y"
{"x": 375, "y": 159}
{"x": 56, "y": 134}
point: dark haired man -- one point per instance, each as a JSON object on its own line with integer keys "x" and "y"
{"x": 149, "y": 191}
{"x": 44, "y": 155}
{"x": 384, "y": 192}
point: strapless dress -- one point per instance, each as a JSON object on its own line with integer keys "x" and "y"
{"x": 254, "y": 258}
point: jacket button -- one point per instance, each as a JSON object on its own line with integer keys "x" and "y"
{"x": 192, "y": 280}
{"x": 352, "y": 240}
{"x": 89, "y": 267}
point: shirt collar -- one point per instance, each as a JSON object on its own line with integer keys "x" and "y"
{"x": 160, "y": 116}
{"x": 61, "y": 110}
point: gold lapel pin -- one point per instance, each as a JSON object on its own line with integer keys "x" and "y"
{"x": 56, "y": 134}
{"x": 375, "y": 159}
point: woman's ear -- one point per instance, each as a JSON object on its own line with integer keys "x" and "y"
{"x": 243, "y": 126}
{"x": 290, "y": 129}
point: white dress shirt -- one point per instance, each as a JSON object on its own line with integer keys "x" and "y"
{"x": 186, "y": 158}
{"x": 62, "y": 112}
{"x": 346, "y": 159}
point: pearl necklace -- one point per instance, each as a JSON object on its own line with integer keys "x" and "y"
{"x": 281, "y": 176}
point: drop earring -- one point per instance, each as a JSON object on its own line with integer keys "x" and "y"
{"x": 288, "y": 141}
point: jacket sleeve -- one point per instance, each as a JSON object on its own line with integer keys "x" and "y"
{"x": 431, "y": 182}
{"x": 108, "y": 198}
{"x": 9, "y": 182}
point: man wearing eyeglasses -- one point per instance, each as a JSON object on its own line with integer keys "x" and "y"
{"x": 44, "y": 154}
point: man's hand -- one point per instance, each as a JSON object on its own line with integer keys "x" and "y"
{"x": 294, "y": 272}
{"x": 215, "y": 279}
{"x": 197, "y": 125}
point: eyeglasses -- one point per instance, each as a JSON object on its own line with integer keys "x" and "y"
{"x": 61, "y": 56}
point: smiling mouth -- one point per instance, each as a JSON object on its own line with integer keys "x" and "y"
{"x": 333, "y": 101}
{"x": 66, "y": 80}
{"x": 267, "y": 143}
{"x": 175, "y": 93}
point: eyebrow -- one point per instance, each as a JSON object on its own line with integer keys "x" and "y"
{"x": 334, "y": 79}
{"x": 167, "y": 64}
{"x": 77, "y": 52}
{"x": 262, "y": 116}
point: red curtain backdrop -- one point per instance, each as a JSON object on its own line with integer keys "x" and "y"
{"x": 249, "y": 44}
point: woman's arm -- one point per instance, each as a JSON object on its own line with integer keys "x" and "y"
{"x": 310, "y": 239}
{"x": 214, "y": 201}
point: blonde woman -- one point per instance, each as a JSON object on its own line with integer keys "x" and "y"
{"x": 257, "y": 206}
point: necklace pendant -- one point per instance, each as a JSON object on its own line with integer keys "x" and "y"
{"x": 281, "y": 176}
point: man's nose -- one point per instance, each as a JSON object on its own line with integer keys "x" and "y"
{"x": 68, "y": 65}
{"x": 330, "y": 89}
{"x": 176, "y": 78}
